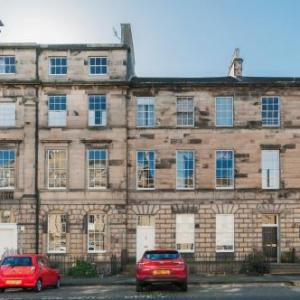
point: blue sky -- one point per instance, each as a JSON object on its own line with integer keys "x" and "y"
{"x": 192, "y": 38}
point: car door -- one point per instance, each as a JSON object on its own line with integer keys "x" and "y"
{"x": 44, "y": 273}
{"x": 52, "y": 274}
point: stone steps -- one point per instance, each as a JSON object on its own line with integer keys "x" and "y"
{"x": 285, "y": 269}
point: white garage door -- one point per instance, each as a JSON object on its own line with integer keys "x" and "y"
{"x": 8, "y": 238}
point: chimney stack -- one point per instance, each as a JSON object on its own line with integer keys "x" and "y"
{"x": 236, "y": 66}
{"x": 126, "y": 39}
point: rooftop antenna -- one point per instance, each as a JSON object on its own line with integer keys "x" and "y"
{"x": 116, "y": 34}
{"x": 1, "y": 24}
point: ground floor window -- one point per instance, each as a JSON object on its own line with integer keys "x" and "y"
{"x": 185, "y": 232}
{"x": 57, "y": 233}
{"x": 224, "y": 233}
{"x": 97, "y": 233}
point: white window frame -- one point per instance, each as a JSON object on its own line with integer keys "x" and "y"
{"x": 194, "y": 169}
{"x": 180, "y": 217}
{"x": 232, "y": 233}
{"x": 90, "y": 66}
{"x": 233, "y": 168}
{"x": 232, "y": 111}
{"x": 148, "y": 100}
{"x": 88, "y": 168}
{"x": 189, "y": 98}
{"x": 8, "y": 114}
{"x": 49, "y": 65}
{"x": 48, "y": 235}
{"x": 137, "y": 169}
{"x": 48, "y": 169}
{"x": 104, "y": 233}
{"x": 4, "y": 65}
{"x": 14, "y": 168}
{"x": 279, "y": 112}
{"x": 92, "y": 118}
{"x": 264, "y": 179}
{"x": 53, "y": 114}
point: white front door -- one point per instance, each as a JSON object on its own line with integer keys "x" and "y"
{"x": 8, "y": 238}
{"x": 145, "y": 235}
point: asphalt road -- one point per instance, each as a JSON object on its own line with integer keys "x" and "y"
{"x": 227, "y": 292}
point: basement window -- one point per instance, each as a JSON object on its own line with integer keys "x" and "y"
{"x": 224, "y": 233}
{"x": 185, "y": 165}
{"x": 7, "y": 65}
{"x": 185, "y": 111}
{"x": 57, "y": 233}
{"x": 97, "y": 168}
{"x": 57, "y": 169}
{"x": 270, "y": 110}
{"x": 145, "y": 169}
{"x": 58, "y": 66}
{"x": 98, "y": 65}
{"x": 7, "y": 114}
{"x": 97, "y": 110}
{"x": 270, "y": 169}
{"x": 185, "y": 233}
{"x": 57, "y": 111}
{"x": 7, "y": 168}
{"x": 96, "y": 233}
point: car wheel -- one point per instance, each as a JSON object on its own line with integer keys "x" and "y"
{"x": 184, "y": 286}
{"x": 57, "y": 285}
{"x": 38, "y": 286}
{"x": 2, "y": 290}
{"x": 138, "y": 287}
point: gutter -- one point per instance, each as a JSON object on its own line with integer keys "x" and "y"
{"x": 36, "y": 142}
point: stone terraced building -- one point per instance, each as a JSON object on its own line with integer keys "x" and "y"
{"x": 97, "y": 161}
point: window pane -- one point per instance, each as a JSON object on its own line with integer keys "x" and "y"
{"x": 270, "y": 169}
{"x": 97, "y": 110}
{"x": 185, "y": 232}
{"x": 145, "y": 112}
{"x": 224, "y": 233}
{"x": 270, "y": 111}
{"x": 185, "y": 111}
{"x": 57, "y": 238}
{"x": 98, "y": 65}
{"x": 224, "y": 168}
{"x": 58, "y": 66}
{"x": 185, "y": 170}
{"x": 145, "y": 169}
{"x": 224, "y": 111}
{"x": 7, "y": 168}
{"x": 96, "y": 233}
{"x": 7, "y": 64}
{"x": 97, "y": 168}
{"x": 57, "y": 169}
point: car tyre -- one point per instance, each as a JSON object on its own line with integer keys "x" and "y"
{"x": 184, "y": 287}
{"x": 38, "y": 286}
{"x": 2, "y": 290}
{"x": 57, "y": 285}
{"x": 138, "y": 287}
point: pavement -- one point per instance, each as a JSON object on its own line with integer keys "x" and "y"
{"x": 206, "y": 292}
{"x": 125, "y": 280}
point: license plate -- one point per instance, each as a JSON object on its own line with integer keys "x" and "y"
{"x": 13, "y": 281}
{"x": 161, "y": 272}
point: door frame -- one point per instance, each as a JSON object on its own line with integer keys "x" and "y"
{"x": 11, "y": 226}
{"x": 277, "y": 225}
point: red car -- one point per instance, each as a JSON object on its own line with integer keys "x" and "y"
{"x": 27, "y": 271}
{"x": 160, "y": 267}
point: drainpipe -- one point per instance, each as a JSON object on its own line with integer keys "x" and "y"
{"x": 36, "y": 179}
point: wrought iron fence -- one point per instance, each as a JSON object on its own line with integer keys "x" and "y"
{"x": 63, "y": 262}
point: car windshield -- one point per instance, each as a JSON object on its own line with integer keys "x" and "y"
{"x": 17, "y": 261}
{"x": 157, "y": 255}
